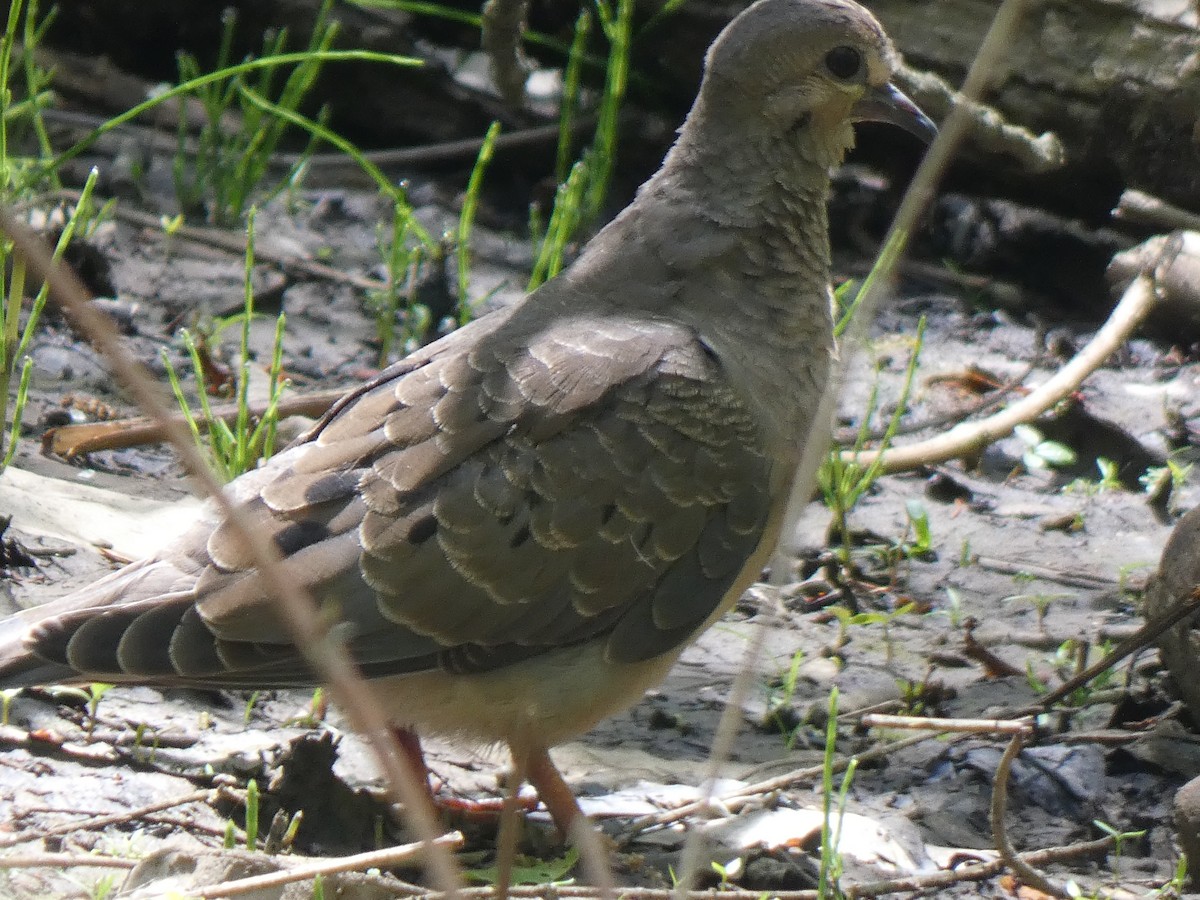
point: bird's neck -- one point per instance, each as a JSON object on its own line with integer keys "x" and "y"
{"x": 771, "y": 324}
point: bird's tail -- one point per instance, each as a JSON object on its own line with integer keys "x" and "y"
{"x": 140, "y": 582}
{"x": 19, "y": 667}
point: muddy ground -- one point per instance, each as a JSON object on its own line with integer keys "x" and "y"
{"x": 1033, "y": 566}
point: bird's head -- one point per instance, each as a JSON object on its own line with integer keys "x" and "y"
{"x": 802, "y": 72}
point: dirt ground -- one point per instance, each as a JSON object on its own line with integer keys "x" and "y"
{"x": 1026, "y": 575}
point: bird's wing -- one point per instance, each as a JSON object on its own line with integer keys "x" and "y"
{"x": 520, "y": 490}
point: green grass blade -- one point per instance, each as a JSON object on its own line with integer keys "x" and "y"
{"x": 619, "y": 30}
{"x": 14, "y": 433}
{"x": 569, "y": 106}
{"x": 390, "y": 190}
{"x": 466, "y": 219}
{"x": 222, "y": 75}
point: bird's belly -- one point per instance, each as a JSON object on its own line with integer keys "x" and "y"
{"x": 548, "y": 699}
{"x": 539, "y": 702}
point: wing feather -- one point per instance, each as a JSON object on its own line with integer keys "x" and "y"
{"x": 594, "y": 479}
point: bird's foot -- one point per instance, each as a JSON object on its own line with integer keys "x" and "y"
{"x": 485, "y": 809}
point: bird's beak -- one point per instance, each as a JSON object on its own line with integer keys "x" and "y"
{"x": 888, "y": 104}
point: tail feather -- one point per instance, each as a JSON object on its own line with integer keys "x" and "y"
{"x": 21, "y": 666}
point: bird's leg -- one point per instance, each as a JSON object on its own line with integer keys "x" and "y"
{"x": 410, "y": 747}
{"x": 413, "y": 756}
{"x": 572, "y": 824}
{"x": 479, "y": 810}
{"x": 558, "y": 799}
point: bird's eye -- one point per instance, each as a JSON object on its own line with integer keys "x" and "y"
{"x": 843, "y": 62}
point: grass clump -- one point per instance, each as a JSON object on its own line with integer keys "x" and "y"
{"x": 229, "y": 164}
{"x": 235, "y": 446}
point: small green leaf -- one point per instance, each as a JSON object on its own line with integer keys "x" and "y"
{"x": 1028, "y": 435}
{"x": 528, "y": 870}
{"x": 1056, "y": 454}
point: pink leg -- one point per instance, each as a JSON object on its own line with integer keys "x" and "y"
{"x": 553, "y": 791}
{"x": 487, "y": 810}
{"x": 414, "y": 758}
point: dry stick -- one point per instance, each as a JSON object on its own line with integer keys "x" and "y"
{"x": 1027, "y": 873}
{"x": 1146, "y": 209}
{"x": 297, "y": 608}
{"x": 954, "y": 417}
{"x": 335, "y": 168}
{"x": 224, "y": 240}
{"x": 979, "y": 872}
{"x": 502, "y": 30}
{"x": 928, "y": 723}
{"x": 965, "y": 439}
{"x": 871, "y": 889}
{"x": 1060, "y": 576}
{"x": 506, "y": 833}
{"x": 594, "y": 856}
{"x": 767, "y": 786}
{"x": 375, "y": 859}
{"x": 75, "y": 440}
{"x": 1019, "y": 730}
{"x": 923, "y": 882}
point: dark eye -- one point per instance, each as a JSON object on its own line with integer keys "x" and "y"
{"x": 843, "y": 62}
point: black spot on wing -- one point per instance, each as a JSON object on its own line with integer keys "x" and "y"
{"x": 298, "y": 535}
{"x": 520, "y": 536}
{"x": 422, "y": 530}
{"x": 333, "y": 486}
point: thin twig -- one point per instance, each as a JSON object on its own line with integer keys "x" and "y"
{"x": 928, "y": 723}
{"x": 971, "y": 437}
{"x": 923, "y": 882}
{"x": 1146, "y": 209}
{"x": 309, "y": 869}
{"x": 993, "y": 398}
{"x": 1136, "y": 641}
{"x": 752, "y": 792}
{"x": 929, "y": 881}
{"x": 1026, "y": 872}
{"x": 1086, "y": 580}
{"x": 718, "y": 752}
{"x": 69, "y": 441}
{"x": 235, "y": 244}
{"x": 934, "y": 880}
{"x": 334, "y": 168}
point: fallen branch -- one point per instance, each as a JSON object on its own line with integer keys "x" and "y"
{"x": 971, "y": 437}
{"x": 942, "y": 726}
{"x": 309, "y": 869}
{"x": 1030, "y": 876}
{"x": 69, "y": 441}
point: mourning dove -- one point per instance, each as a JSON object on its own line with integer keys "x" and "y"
{"x": 519, "y": 527}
